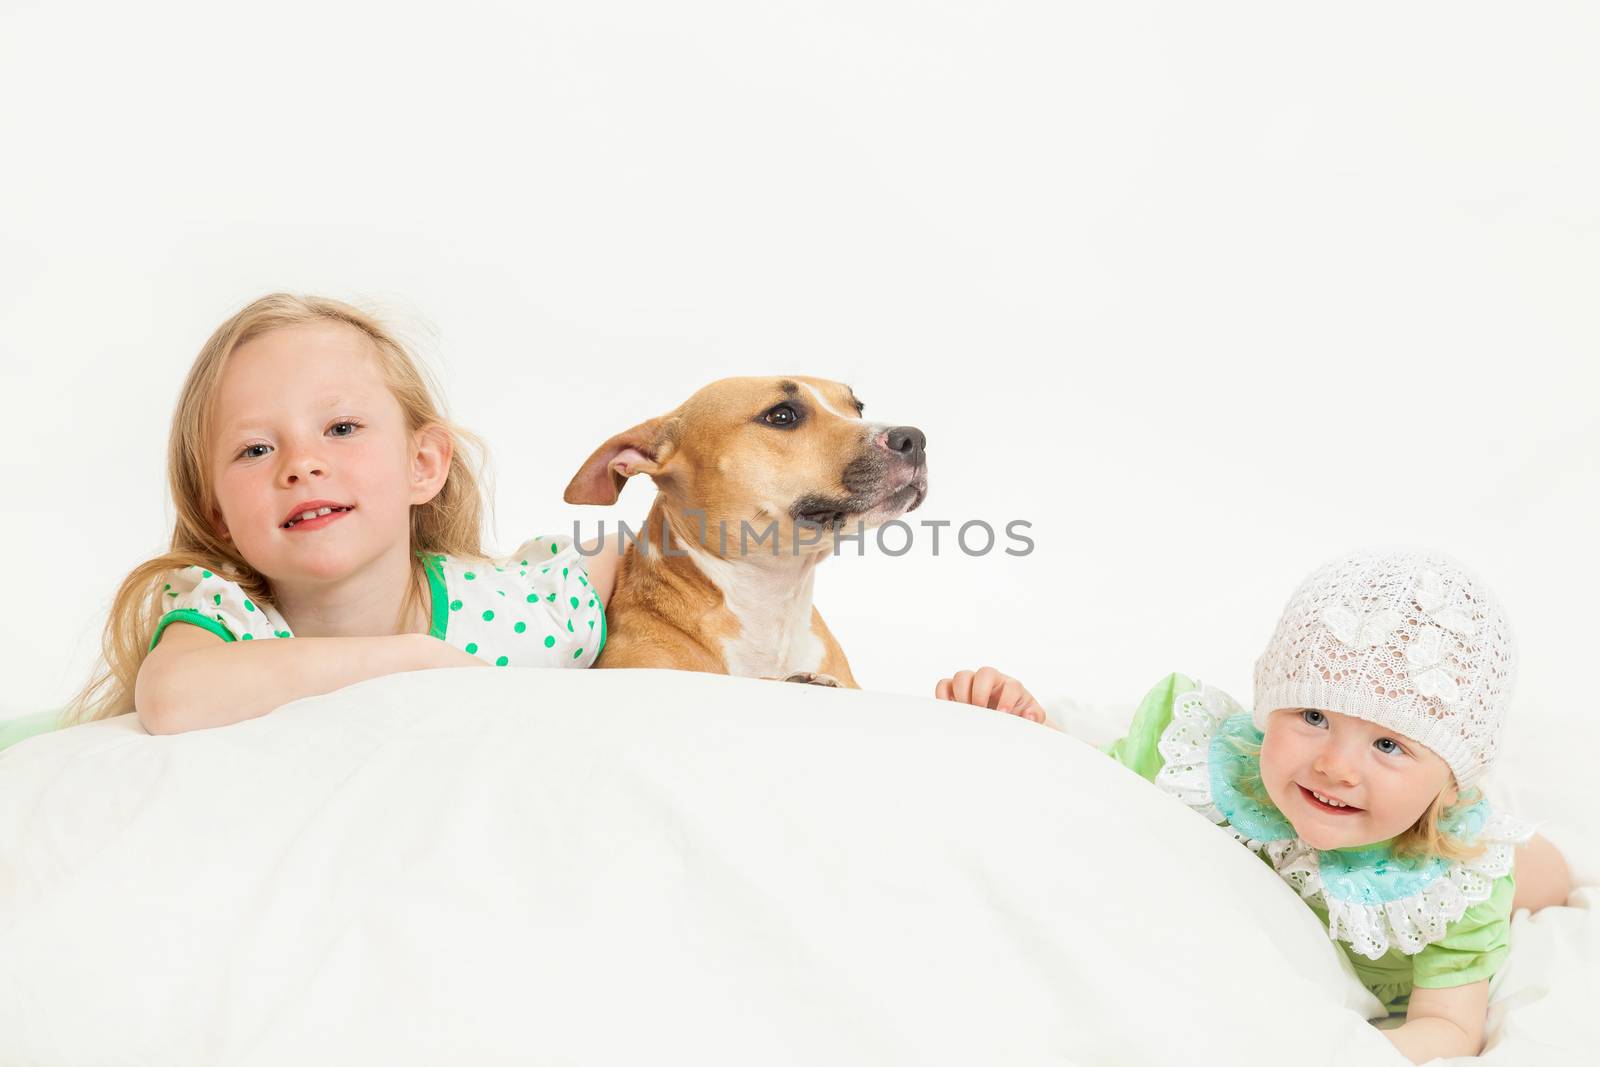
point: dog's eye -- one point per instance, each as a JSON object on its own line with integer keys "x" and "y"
{"x": 782, "y": 415}
{"x": 860, "y": 409}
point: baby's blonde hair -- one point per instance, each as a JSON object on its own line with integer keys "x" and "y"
{"x": 450, "y": 523}
{"x": 1428, "y": 837}
{"x": 1425, "y": 837}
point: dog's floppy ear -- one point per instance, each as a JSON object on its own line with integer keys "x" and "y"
{"x": 641, "y": 450}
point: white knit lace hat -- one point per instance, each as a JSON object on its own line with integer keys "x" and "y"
{"x": 1403, "y": 638}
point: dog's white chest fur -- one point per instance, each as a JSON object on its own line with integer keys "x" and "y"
{"x": 773, "y": 606}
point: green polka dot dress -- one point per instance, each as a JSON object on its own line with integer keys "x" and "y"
{"x": 534, "y": 608}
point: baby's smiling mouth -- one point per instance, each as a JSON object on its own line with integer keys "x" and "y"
{"x": 1323, "y": 802}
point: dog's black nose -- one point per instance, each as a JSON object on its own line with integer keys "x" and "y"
{"x": 906, "y": 440}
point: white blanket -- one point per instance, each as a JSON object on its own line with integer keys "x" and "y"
{"x": 597, "y": 867}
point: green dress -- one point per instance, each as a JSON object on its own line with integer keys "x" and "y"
{"x": 1404, "y": 922}
{"x": 533, "y": 608}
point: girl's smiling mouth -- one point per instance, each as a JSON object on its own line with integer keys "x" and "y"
{"x": 316, "y": 514}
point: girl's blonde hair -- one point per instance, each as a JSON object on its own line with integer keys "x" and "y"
{"x": 450, "y": 523}
{"x": 1424, "y": 838}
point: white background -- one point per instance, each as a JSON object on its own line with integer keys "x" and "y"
{"x": 1207, "y": 293}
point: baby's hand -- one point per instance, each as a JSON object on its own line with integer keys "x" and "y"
{"x": 988, "y": 688}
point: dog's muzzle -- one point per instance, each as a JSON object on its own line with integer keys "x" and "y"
{"x": 890, "y": 478}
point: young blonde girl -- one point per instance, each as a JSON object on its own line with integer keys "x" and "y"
{"x": 1379, "y": 707}
{"x": 322, "y": 495}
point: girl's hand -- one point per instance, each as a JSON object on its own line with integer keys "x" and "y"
{"x": 178, "y": 681}
{"x": 988, "y": 688}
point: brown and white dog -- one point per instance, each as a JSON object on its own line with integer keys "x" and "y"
{"x": 753, "y": 475}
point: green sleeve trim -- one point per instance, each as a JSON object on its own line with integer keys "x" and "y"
{"x": 193, "y": 618}
{"x": 1139, "y": 751}
{"x": 1488, "y": 963}
{"x": 438, "y": 594}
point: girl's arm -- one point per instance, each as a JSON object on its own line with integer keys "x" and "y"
{"x": 1443, "y": 1023}
{"x": 193, "y": 679}
{"x": 602, "y": 567}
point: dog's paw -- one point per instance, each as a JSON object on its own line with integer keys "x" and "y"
{"x": 813, "y": 678}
